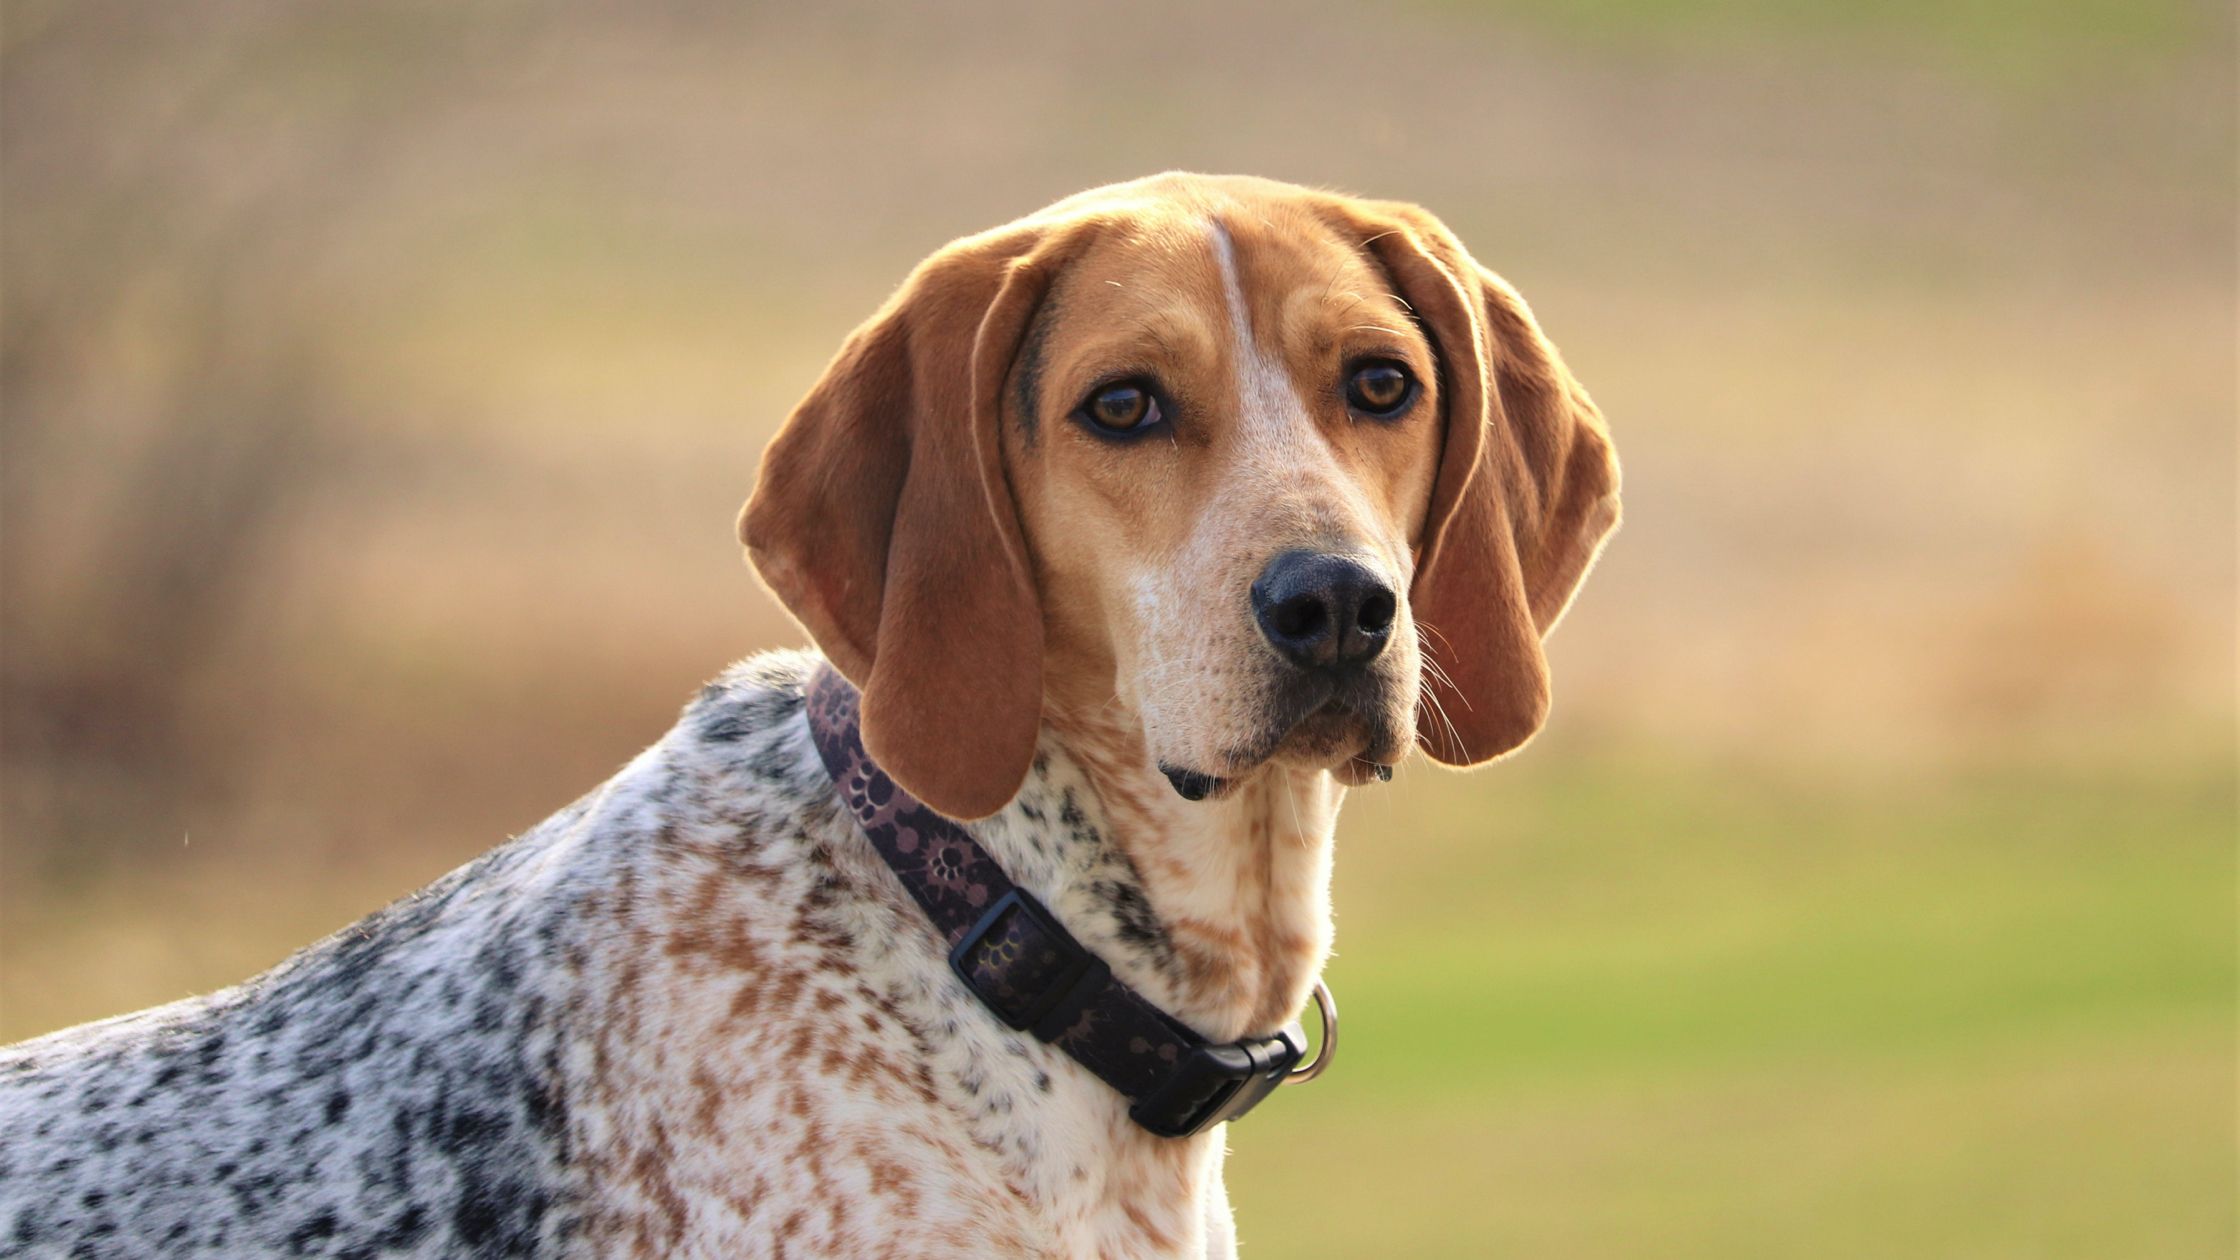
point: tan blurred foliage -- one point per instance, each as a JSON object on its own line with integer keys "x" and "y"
{"x": 381, "y": 379}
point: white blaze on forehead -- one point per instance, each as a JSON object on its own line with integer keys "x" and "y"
{"x": 1279, "y": 443}
{"x": 1270, "y": 414}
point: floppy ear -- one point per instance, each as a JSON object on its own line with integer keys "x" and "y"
{"x": 1527, "y": 492}
{"x": 883, "y": 519}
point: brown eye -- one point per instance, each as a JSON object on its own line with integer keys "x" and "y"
{"x": 1121, "y": 408}
{"x": 1380, "y": 389}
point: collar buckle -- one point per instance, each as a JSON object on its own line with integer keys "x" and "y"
{"x": 1215, "y": 1083}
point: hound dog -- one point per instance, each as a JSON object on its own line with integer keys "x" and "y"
{"x": 1146, "y": 526}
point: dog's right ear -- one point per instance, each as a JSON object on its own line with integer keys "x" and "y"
{"x": 883, "y": 519}
{"x": 1527, "y": 490}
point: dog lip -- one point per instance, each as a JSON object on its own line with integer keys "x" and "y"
{"x": 1190, "y": 785}
{"x": 1289, "y": 711}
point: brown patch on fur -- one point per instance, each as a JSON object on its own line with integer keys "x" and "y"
{"x": 649, "y": 1176}
{"x": 1155, "y": 1236}
{"x": 711, "y": 1098}
{"x": 746, "y": 1000}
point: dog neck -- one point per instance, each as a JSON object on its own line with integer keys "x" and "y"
{"x": 1237, "y": 888}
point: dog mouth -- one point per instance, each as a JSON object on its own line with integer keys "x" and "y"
{"x": 1313, "y": 723}
{"x": 1193, "y": 785}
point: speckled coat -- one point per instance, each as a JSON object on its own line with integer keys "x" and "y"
{"x": 689, "y": 1015}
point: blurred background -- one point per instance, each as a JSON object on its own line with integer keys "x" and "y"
{"x": 380, "y": 381}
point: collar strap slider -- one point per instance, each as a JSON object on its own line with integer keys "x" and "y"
{"x": 1025, "y": 967}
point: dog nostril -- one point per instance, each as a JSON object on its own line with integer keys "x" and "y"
{"x": 1300, "y": 618}
{"x": 1376, "y": 612}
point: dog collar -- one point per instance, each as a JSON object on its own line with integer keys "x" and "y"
{"x": 1028, "y": 970}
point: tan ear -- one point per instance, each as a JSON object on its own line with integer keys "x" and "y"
{"x": 1571, "y": 506}
{"x": 1526, "y": 494}
{"x": 883, "y": 519}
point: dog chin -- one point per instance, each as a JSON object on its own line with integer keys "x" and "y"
{"x": 1354, "y": 746}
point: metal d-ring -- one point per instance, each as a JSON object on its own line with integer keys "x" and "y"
{"x": 1327, "y": 1007}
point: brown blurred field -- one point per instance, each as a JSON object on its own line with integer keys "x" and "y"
{"x": 380, "y": 382}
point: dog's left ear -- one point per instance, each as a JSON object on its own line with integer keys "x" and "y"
{"x": 883, "y": 519}
{"x": 1526, "y": 494}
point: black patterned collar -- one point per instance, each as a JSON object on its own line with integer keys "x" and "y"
{"x": 1027, "y": 969}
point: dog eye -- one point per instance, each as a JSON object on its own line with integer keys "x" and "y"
{"x": 1121, "y": 408}
{"x": 1381, "y": 388}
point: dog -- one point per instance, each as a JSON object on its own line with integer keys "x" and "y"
{"x": 1133, "y": 533}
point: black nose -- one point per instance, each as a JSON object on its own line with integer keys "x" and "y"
{"x": 1323, "y": 611}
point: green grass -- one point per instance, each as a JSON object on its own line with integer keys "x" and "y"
{"x": 1622, "y": 1012}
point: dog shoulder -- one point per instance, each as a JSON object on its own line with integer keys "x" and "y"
{"x": 410, "y": 1079}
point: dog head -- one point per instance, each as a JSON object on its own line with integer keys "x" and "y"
{"x": 1284, "y": 473}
